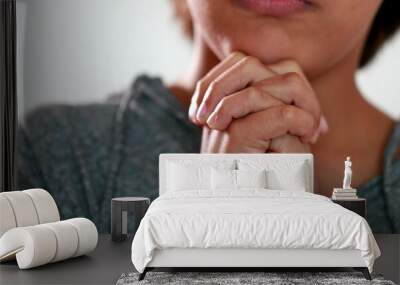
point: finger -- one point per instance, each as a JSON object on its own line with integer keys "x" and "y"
{"x": 203, "y": 84}
{"x": 291, "y": 88}
{"x": 205, "y": 139}
{"x": 246, "y": 71}
{"x": 272, "y": 123}
{"x": 288, "y": 66}
{"x": 288, "y": 144}
{"x": 213, "y": 141}
{"x": 223, "y": 142}
{"x": 240, "y": 104}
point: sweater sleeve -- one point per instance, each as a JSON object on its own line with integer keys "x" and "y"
{"x": 65, "y": 149}
{"x": 391, "y": 179}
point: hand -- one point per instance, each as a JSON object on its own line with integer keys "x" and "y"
{"x": 246, "y": 106}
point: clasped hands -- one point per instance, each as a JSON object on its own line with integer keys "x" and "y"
{"x": 245, "y": 106}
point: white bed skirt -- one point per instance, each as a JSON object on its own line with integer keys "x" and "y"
{"x": 226, "y": 257}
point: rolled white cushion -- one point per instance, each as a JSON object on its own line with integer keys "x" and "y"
{"x": 45, "y": 205}
{"x": 67, "y": 239}
{"x": 33, "y": 246}
{"x": 40, "y": 244}
{"x": 7, "y": 218}
{"x": 87, "y": 235}
{"x": 23, "y": 208}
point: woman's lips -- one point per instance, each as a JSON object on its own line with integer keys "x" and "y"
{"x": 274, "y": 8}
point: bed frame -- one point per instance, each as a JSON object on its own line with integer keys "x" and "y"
{"x": 233, "y": 259}
{"x": 236, "y": 259}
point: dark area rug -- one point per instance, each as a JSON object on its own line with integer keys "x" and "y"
{"x": 231, "y": 278}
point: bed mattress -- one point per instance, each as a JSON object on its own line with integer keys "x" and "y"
{"x": 252, "y": 219}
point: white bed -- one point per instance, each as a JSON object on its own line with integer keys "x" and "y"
{"x": 193, "y": 224}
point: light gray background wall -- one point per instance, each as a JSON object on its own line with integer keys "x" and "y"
{"x": 80, "y": 51}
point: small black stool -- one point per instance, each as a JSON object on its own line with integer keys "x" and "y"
{"x": 120, "y": 207}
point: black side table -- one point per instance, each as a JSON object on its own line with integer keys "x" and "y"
{"x": 120, "y": 207}
{"x": 358, "y": 206}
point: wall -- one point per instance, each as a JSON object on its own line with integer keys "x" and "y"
{"x": 80, "y": 51}
{"x": 380, "y": 81}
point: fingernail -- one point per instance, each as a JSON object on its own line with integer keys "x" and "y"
{"x": 192, "y": 111}
{"x": 201, "y": 114}
{"x": 212, "y": 120}
{"x": 323, "y": 125}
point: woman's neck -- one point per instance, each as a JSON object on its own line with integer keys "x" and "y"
{"x": 356, "y": 128}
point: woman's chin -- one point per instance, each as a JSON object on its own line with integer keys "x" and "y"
{"x": 268, "y": 45}
{"x": 267, "y": 55}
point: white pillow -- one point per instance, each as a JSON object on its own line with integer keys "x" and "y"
{"x": 282, "y": 174}
{"x": 251, "y": 178}
{"x": 293, "y": 179}
{"x": 186, "y": 174}
{"x": 226, "y": 179}
{"x": 187, "y": 177}
{"x": 223, "y": 179}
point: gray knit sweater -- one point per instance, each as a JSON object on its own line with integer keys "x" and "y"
{"x": 86, "y": 154}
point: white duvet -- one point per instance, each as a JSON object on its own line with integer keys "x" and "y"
{"x": 250, "y": 219}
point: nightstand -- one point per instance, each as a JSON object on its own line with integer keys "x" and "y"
{"x": 358, "y": 206}
{"x": 120, "y": 208}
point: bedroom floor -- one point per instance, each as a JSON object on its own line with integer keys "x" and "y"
{"x": 106, "y": 264}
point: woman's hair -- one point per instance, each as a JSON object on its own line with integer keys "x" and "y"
{"x": 384, "y": 26}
